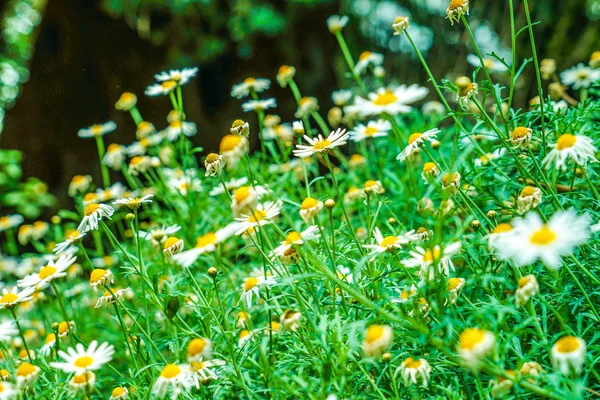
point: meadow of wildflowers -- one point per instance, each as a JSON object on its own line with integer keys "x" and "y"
{"x": 416, "y": 241}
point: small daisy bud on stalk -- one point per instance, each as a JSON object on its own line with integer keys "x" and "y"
{"x": 491, "y": 214}
{"x": 334, "y": 117}
{"x": 329, "y": 204}
{"x": 475, "y": 224}
{"x": 400, "y": 25}
{"x": 56, "y": 219}
{"x": 387, "y": 357}
{"x": 130, "y": 216}
{"x": 213, "y": 272}
{"x": 126, "y": 102}
{"x": 298, "y": 128}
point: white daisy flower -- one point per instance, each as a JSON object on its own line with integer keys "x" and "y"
{"x": 528, "y": 287}
{"x": 206, "y": 243}
{"x": 72, "y": 238}
{"x": 97, "y": 130}
{"x": 262, "y": 215}
{"x": 110, "y": 297}
{"x": 414, "y": 370}
{"x": 119, "y": 393}
{"x": 8, "y": 391}
{"x": 245, "y": 198}
{"x": 112, "y": 192}
{"x": 453, "y": 287}
{"x": 214, "y": 164}
{"x": 198, "y": 349}
{"x": 388, "y": 101}
{"x": 474, "y": 345}
{"x": 251, "y": 288}
{"x": 319, "y": 144}
{"x": 490, "y": 63}
{"x": 501, "y": 230}
{"x": 373, "y": 129}
{"x": 203, "y": 370}
{"x": 92, "y": 214}
{"x": 389, "y": 243}
{"x": 83, "y": 382}
{"x": 249, "y": 85}
{"x": 367, "y": 58}
{"x": 466, "y": 93}
{"x": 456, "y": 10}
{"x": 306, "y": 106}
{"x": 426, "y": 259}
{"x": 176, "y": 128}
{"x": 532, "y": 239}
{"x": 256, "y": 105}
{"x": 26, "y": 375}
{"x": 100, "y": 278}
{"x": 415, "y": 140}
{"x": 144, "y": 129}
{"x": 345, "y": 274}
{"x": 579, "y": 148}
{"x": 290, "y": 320}
{"x": 174, "y": 377}
{"x": 485, "y": 159}
{"x": 134, "y": 202}
{"x": 180, "y": 76}
{"x": 161, "y": 88}
{"x": 520, "y": 136}
{"x": 530, "y": 197}
{"x": 80, "y": 360}
{"x": 280, "y": 131}
{"x": 336, "y": 23}
{"x": 80, "y": 184}
{"x": 309, "y": 208}
{"x": 49, "y": 344}
{"x": 377, "y": 340}
{"x": 285, "y": 74}
{"x": 400, "y": 25}
{"x": 10, "y": 221}
{"x": 141, "y": 147}
{"x": 295, "y": 239}
{"x": 233, "y": 148}
{"x": 172, "y": 246}
{"x": 341, "y": 97}
{"x": 568, "y": 354}
{"x": 580, "y": 76}
{"x": 114, "y": 156}
{"x": 48, "y": 273}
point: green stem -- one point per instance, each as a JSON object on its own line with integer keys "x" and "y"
{"x": 103, "y": 168}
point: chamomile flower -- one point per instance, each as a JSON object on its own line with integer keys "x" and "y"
{"x": 309, "y": 208}
{"x": 430, "y": 170}
{"x": 500, "y": 231}
{"x": 214, "y": 164}
{"x": 285, "y": 74}
{"x": 82, "y": 382}
{"x": 456, "y": 9}
{"x": 415, "y": 141}
{"x": 290, "y": 320}
{"x": 48, "y": 273}
{"x": 240, "y": 127}
{"x": 80, "y": 359}
{"x": 336, "y": 23}
{"x": 388, "y": 243}
{"x": 341, "y": 97}
{"x": 203, "y": 370}
{"x": 64, "y": 329}
{"x": 206, "y": 243}
{"x": 161, "y": 88}
{"x": 474, "y": 345}
{"x": 568, "y": 354}
{"x": 174, "y": 377}
{"x": 453, "y": 287}
{"x": 26, "y": 375}
{"x": 414, "y": 370}
{"x": 528, "y": 287}
{"x": 8, "y": 330}
{"x": 387, "y": 101}
{"x": 101, "y": 277}
{"x": 8, "y": 391}
{"x": 114, "y": 156}
{"x": 119, "y": 393}
{"x": 126, "y": 102}
{"x": 366, "y": 59}
{"x": 529, "y": 197}
{"x": 520, "y": 136}
{"x": 245, "y": 198}
{"x": 233, "y": 148}
{"x": 295, "y": 239}
{"x": 97, "y": 130}
{"x": 79, "y": 184}
{"x": 178, "y": 127}
{"x": 579, "y": 148}
{"x": 180, "y": 76}
{"x": 262, "y": 215}
{"x": 110, "y": 297}
{"x": 248, "y": 86}
{"x": 133, "y": 203}
{"x": 306, "y": 106}
{"x": 173, "y": 245}
{"x": 400, "y": 24}
{"x": 580, "y": 77}
{"x": 532, "y": 239}
{"x": 73, "y": 237}
{"x": 144, "y": 129}
{"x": 251, "y": 288}
{"x": 319, "y": 144}
{"x": 451, "y": 181}
{"x": 112, "y": 192}
{"x": 184, "y": 184}
{"x": 426, "y": 260}
{"x": 466, "y": 93}
{"x": 259, "y": 105}
{"x": 198, "y": 349}
{"x": 10, "y": 221}
{"x": 92, "y": 214}
{"x": 490, "y": 63}
{"x": 377, "y": 340}
{"x": 159, "y": 234}
{"x": 141, "y": 147}
{"x": 49, "y": 344}
{"x": 373, "y": 129}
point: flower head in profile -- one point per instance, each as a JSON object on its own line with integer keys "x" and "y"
{"x": 97, "y": 130}
{"x": 240, "y": 127}
{"x": 377, "y": 340}
{"x": 529, "y": 197}
{"x": 388, "y": 101}
{"x": 82, "y": 382}
{"x": 110, "y": 296}
{"x": 204, "y": 370}
{"x": 179, "y": 76}
{"x": 126, "y": 102}
{"x": 285, "y": 74}
{"x": 474, "y": 345}
{"x": 366, "y": 59}
{"x": 306, "y": 106}
{"x": 532, "y": 239}
{"x": 26, "y": 375}
{"x": 373, "y": 129}
{"x": 568, "y": 354}
{"x": 161, "y": 88}
{"x": 456, "y": 9}
{"x": 13, "y": 297}
{"x": 92, "y": 214}
{"x": 80, "y": 359}
{"x": 172, "y": 246}
{"x": 290, "y": 320}
{"x": 101, "y": 277}
{"x": 177, "y": 128}
{"x": 520, "y": 136}
{"x": 528, "y": 287}
{"x": 320, "y": 144}
{"x": 295, "y": 239}
{"x": 259, "y": 105}
{"x": 251, "y": 288}
{"x": 426, "y": 259}
{"x": 336, "y": 23}
{"x": 80, "y": 184}
{"x": 233, "y": 148}
{"x": 119, "y": 393}
{"x": 72, "y": 237}
{"x": 579, "y": 148}
{"x": 262, "y": 215}
{"x": 415, "y": 141}
{"x": 248, "y": 86}
{"x": 135, "y": 202}
{"x": 580, "y": 76}
{"x": 198, "y": 349}
{"x": 414, "y": 370}
{"x": 309, "y": 208}
{"x": 400, "y": 24}
{"x": 388, "y": 243}
{"x": 465, "y": 93}
{"x": 174, "y": 377}
{"x": 48, "y": 273}
{"x": 214, "y": 164}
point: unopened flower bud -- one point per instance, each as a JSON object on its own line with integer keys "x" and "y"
{"x": 130, "y": 216}
{"x": 329, "y": 204}
{"x": 212, "y": 271}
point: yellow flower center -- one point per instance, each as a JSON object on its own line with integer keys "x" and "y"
{"x": 321, "y": 144}
{"x": 229, "y": 143}
{"x": 388, "y": 241}
{"x": 520, "y": 132}
{"x": 170, "y": 371}
{"x": 565, "y": 141}
{"x": 257, "y": 215}
{"x": 309, "y": 203}
{"x": 211, "y": 158}
{"x": 399, "y": 19}
{"x": 46, "y": 272}
{"x": 524, "y": 281}
{"x": 456, "y": 4}
{"x": 429, "y": 167}
{"x": 25, "y": 369}
{"x": 196, "y": 366}
{"x": 542, "y": 237}
{"x": 171, "y": 242}
{"x": 97, "y": 275}
{"x": 175, "y": 124}
{"x": 470, "y": 338}
{"x": 385, "y": 98}
{"x": 90, "y": 209}
{"x": 168, "y": 85}
{"x": 502, "y": 228}
{"x": 364, "y": 55}
{"x": 453, "y": 283}
{"x": 488, "y": 62}
{"x": 285, "y": 69}
{"x": 370, "y": 183}
{"x": 412, "y": 363}
{"x": 137, "y": 160}
{"x": 205, "y": 240}
{"x": 118, "y": 391}
{"x": 449, "y": 179}
{"x": 196, "y": 346}
{"x": 567, "y": 344}
{"x": 370, "y": 131}
{"x": 528, "y": 191}
{"x": 595, "y": 56}
{"x": 249, "y": 81}
{"x": 293, "y": 237}
{"x": 250, "y": 283}
{"x": 430, "y": 255}
{"x": 51, "y": 337}
{"x": 241, "y": 194}
{"x": 63, "y": 327}
{"x": 374, "y": 333}
{"x": 79, "y": 179}
{"x": 414, "y": 137}
{"x": 113, "y": 148}
{"x": 466, "y": 90}
{"x": 96, "y": 129}
{"x": 356, "y": 158}
{"x": 9, "y": 298}
{"x": 83, "y": 378}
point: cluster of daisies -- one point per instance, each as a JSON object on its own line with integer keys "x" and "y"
{"x": 417, "y": 243}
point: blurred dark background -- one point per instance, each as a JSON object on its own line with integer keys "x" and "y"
{"x": 87, "y": 52}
